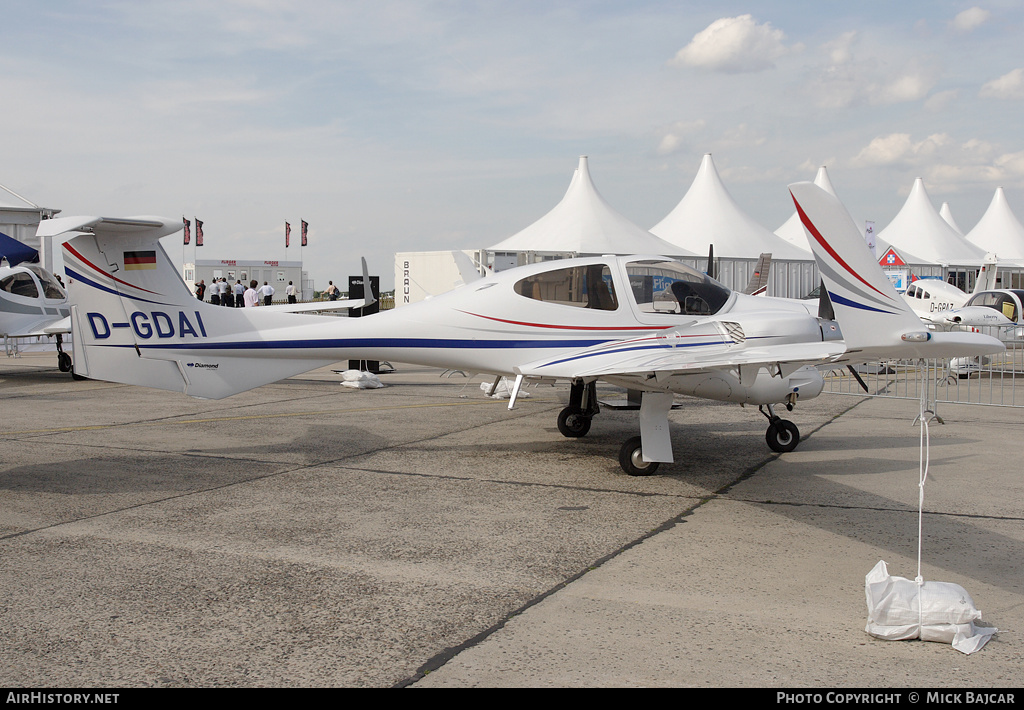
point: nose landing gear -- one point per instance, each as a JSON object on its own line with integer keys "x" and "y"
{"x": 782, "y": 435}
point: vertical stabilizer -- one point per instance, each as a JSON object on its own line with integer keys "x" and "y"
{"x": 876, "y": 322}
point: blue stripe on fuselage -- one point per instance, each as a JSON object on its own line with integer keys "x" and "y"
{"x": 86, "y": 280}
{"x": 353, "y": 343}
{"x": 853, "y": 304}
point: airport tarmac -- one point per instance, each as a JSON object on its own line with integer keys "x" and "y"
{"x": 306, "y": 534}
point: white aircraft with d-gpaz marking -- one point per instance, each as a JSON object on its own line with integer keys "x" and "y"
{"x": 642, "y": 322}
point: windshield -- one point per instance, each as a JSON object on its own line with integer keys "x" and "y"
{"x": 670, "y": 287}
{"x": 51, "y": 289}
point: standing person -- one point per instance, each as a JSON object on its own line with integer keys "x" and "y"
{"x": 289, "y": 291}
{"x": 268, "y": 293}
{"x": 215, "y": 292}
{"x": 250, "y": 297}
{"x": 332, "y": 291}
{"x": 200, "y": 289}
{"x": 226, "y": 297}
{"x": 239, "y": 294}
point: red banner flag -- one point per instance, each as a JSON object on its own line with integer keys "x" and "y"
{"x": 305, "y": 228}
{"x": 199, "y": 233}
{"x": 188, "y": 230}
{"x": 287, "y": 235}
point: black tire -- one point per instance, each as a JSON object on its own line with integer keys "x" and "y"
{"x": 631, "y": 461}
{"x": 573, "y": 423}
{"x": 63, "y": 362}
{"x": 782, "y": 436}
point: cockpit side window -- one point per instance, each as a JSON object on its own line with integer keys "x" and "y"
{"x": 670, "y": 287}
{"x": 20, "y": 284}
{"x": 580, "y": 286}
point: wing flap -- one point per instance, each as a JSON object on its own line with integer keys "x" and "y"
{"x": 663, "y": 360}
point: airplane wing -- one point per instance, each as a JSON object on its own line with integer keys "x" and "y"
{"x": 661, "y": 357}
{"x": 45, "y": 328}
{"x": 318, "y": 306}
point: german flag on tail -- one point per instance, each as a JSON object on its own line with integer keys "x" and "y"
{"x": 136, "y": 260}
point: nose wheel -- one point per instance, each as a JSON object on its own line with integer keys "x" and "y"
{"x": 782, "y": 435}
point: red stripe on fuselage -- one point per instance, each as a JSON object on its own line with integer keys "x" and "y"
{"x": 569, "y": 327}
{"x": 101, "y": 271}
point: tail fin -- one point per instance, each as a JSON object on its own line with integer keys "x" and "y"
{"x": 134, "y": 321}
{"x": 876, "y": 322}
{"x": 758, "y": 284}
{"x": 987, "y": 276}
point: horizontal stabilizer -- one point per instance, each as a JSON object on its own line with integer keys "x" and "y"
{"x": 876, "y": 322}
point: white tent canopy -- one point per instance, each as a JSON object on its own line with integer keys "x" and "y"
{"x": 793, "y": 230}
{"x": 921, "y": 235}
{"x": 584, "y": 223}
{"x": 999, "y": 231}
{"x": 708, "y": 215}
{"x": 947, "y": 214}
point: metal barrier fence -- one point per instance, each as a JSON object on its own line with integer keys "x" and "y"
{"x": 997, "y": 380}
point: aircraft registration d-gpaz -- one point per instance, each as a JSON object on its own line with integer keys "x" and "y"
{"x": 642, "y": 322}
{"x": 32, "y": 302}
{"x": 943, "y": 305}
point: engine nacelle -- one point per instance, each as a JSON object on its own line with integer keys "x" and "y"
{"x": 763, "y": 388}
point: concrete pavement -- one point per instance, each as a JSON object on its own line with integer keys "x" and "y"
{"x": 305, "y": 534}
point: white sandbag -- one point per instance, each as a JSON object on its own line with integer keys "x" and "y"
{"x": 503, "y": 390}
{"x": 900, "y": 609}
{"x": 360, "y": 380}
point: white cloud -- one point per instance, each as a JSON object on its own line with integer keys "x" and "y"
{"x": 945, "y": 165}
{"x": 939, "y": 101}
{"x": 840, "y": 50}
{"x": 970, "y": 19}
{"x": 672, "y": 140}
{"x": 897, "y": 148}
{"x": 845, "y": 79}
{"x": 734, "y": 45}
{"x": 1008, "y": 86}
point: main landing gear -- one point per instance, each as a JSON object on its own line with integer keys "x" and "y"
{"x": 574, "y": 420}
{"x": 64, "y": 363}
{"x": 63, "y": 359}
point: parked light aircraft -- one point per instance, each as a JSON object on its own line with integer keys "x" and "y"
{"x": 943, "y": 305}
{"x": 642, "y": 322}
{"x": 32, "y": 302}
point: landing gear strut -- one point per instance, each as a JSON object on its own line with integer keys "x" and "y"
{"x": 574, "y": 420}
{"x": 63, "y": 359}
{"x": 782, "y": 435}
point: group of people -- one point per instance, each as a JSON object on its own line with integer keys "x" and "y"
{"x": 238, "y": 296}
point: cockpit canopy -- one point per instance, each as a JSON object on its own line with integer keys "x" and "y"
{"x": 21, "y": 283}
{"x": 657, "y": 286}
{"x": 589, "y": 286}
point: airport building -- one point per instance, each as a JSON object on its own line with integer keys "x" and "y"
{"x": 275, "y": 273}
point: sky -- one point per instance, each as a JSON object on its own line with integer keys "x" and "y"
{"x": 428, "y": 125}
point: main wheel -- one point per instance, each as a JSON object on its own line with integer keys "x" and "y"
{"x": 782, "y": 436}
{"x": 573, "y": 423}
{"x": 632, "y": 461}
{"x": 63, "y": 362}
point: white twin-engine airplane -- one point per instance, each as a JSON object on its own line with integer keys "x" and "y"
{"x": 645, "y": 323}
{"x": 943, "y": 305}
